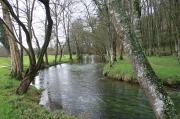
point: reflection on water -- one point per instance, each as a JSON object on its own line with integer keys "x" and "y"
{"x": 90, "y": 59}
{"x": 78, "y": 90}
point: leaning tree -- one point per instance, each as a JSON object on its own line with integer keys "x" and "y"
{"x": 127, "y": 19}
{"x": 126, "y": 15}
{"x": 34, "y": 65}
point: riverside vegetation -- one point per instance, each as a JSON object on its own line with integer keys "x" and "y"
{"x": 166, "y": 67}
{"x": 14, "y": 106}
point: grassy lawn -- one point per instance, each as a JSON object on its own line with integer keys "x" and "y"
{"x": 166, "y": 67}
{"x": 51, "y": 58}
{"x": 26, "y": 106}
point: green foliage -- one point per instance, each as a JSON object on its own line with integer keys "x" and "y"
{"x": 166, "y": 67}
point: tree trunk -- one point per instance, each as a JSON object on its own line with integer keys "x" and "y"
{"x": 21, "y": 50}
{"x": 57, "y": 52}
{"x": 16, "y": 69}
{"x": 20, "y": 39}
{"x": 121, "y": 51}
{"x": 114, "y": 48}
{"x": 61, "y": 47}
{"x": 61, "y": 53}
{"x": 24, "y": 85}
{"x": 32, "y": 71}
{"x": 37, "y": 44}
{"x": 46, "y": 58}
{"x": 66, "y": 32}
{"x": 46, "y": 54}
{"x": 57, "y": 33}
{"x": 78, "y": 52}
{"x": 68, "y": 42}
{"x": 112, "y": 35}
{"x": 161, "y": 103}
{"x": 69, "y": 49}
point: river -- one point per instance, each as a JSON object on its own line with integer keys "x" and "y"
{"x": 80, "y": 90}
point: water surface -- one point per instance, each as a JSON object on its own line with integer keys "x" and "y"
{"x": 79, "y": 90}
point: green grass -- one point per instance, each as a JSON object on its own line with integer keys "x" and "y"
{"x": 166, "y": 67}
{"x": 4, "y": 61}
{"x": 51, "y": 58}
{"x": 13, "y": 106}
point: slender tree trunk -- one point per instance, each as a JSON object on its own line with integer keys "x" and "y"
{"x": 16, "y": 69}
{"x": 114, "y": 47}
{"x": 66, "y": 32}
{"x": 46, "y": 54}
{"x": 56, "y": 53}
{"x": 20, "y": 39}
{"x": 21, "y": 50}
{"x": 61, "y": 51}
{"x": 37, "y": 43}
{"x": 69, "y": 48}
{"x": 57, "y": 33}
{"x": 78, "y": 52}
{"x": 68, "y": 41}
{"x": 61, "y": 54}
{"x": 121, "y": 51}
{"x": 46, "y": 58}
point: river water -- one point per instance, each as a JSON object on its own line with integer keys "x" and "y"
{"x": 80, "y": 90}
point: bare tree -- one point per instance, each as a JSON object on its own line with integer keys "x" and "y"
{"x": 57, "y": 14}
{"x": 34, "y": 66}
{"x": 66, "y": 15}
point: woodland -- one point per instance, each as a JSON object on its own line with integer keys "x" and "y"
{"x": 136, "y": 41}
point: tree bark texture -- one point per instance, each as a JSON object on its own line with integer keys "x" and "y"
{"x": 16, "y": 69}
{"x": 161, "y": 103}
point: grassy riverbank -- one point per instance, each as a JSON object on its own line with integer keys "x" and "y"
{"x": 65, "y": 59}
{"x": 26, "y": 106}
{"x": 166, "y": 67}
